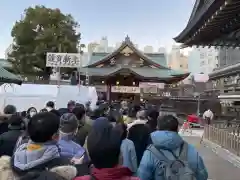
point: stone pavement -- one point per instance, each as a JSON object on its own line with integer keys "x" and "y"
{"x": 218, "y": 168}
{"x": 195, "y": 132}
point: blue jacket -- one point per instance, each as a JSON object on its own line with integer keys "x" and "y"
{"x": 30, "y": 155}
{"x": 151, "y": 167}
{"x": 129, "y": 155}
{"x": 69, "y": 148}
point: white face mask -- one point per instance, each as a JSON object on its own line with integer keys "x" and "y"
{"x": 32, "y": 113}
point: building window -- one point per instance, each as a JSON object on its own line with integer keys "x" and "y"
{"x": 209, "y": 61}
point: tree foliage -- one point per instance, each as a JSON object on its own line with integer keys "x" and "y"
{"x": 41, "y": 30}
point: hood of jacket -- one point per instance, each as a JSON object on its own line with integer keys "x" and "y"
{"x": 69, "y": 148}
{"x": 30, "y": 155}
{"x": 138, "y": 121}
{"x": 166, "y": 140}
{"x": 6, "y": 172}
{"x": 67, "y": 172}
{"x": 118, "y": 172}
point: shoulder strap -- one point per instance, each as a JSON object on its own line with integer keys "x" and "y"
{"x": 157, "y": 153}
{"x": 59, "y": 149}
{"x": 183, "y": 152}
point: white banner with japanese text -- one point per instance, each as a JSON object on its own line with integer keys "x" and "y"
{"x": 151, "y": 84}
{"x": 72, "y": 60}
{"x": 125, "y": 89}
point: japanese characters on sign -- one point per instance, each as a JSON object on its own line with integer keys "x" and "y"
{"x": 150, "y": 88}
{"x": 151, "y": 84}
{"x": 71, "y": 60}
{"x": 125, "y": 89}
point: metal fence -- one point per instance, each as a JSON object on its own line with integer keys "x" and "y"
{"x": 232, "y": 126}
{"x": 223, "y": 138}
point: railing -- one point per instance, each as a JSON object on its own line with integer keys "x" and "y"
{"x": 230, "y": 125}
{"x": 223, "y": 138}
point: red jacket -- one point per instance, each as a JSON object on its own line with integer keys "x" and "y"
{"x": 117, "y": 173}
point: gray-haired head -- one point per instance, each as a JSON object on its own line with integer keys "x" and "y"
{"x": 141, "y": 115}
{"x": 68, "y": 123}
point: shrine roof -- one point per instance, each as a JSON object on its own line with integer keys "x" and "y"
{"x": 142, "y": 72}
{"x": 154, "y": 58}
{"x": 210, "y": 23}
{"x": 225, "y": 71}
{"x": 8, "y": 77}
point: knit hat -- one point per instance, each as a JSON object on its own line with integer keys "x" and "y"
{"x": 103, "y": 140}
{"x": 68, "y": 123}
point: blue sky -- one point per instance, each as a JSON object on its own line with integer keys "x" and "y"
{"x": 147, "y": 22}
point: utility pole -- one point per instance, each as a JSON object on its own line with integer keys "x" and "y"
{"x": 59, "y": 69}
{"x": 79, "y": 68}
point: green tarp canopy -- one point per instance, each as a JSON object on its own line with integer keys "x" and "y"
{"x": 7, "y": 77}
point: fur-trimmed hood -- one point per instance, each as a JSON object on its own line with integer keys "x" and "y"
{"x": 5, "y": 168}
{"x": 67, "y": 172}
{"x": 6, "y": 173}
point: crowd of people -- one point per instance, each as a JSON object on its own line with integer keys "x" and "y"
{"x": 78, "y": 143}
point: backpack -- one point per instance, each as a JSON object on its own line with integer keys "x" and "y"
{"x": 176, "y": 168}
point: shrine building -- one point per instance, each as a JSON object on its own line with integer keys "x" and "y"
{"x": 127, "y": 73}
{"x": 217, "y": 23}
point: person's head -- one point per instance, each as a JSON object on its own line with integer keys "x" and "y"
{"x": 32, "y": 111}
{"x": 43, "y": 127}
{"x": 16, "y": 122}
{"x": 78, "y": 104}
{"x": 71, "y": 105}
{"x": 168, "y": 123}
{"x": 152, "y": 116}
{"x": 79, "y": 112}
{"x": 88, "y": 103}
{"x": 68, "y": 123}
{"x": 24, "y": 113}
{"x": 44, "y": 110}
{"x": 141, "y": 115}
{"x": 122, "y": 127}
{"x": 50, "y": 104}
{"x": 125, "y": 112}
{"x": 10, "y": 109}
{"x": 103, "y": 144}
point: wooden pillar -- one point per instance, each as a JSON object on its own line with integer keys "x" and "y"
{"x": 109, "y": 92}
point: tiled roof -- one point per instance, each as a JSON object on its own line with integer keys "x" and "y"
{"x": 143, "y": 72}
{"x": 7, "y": 77}
{"x": 95, "y": 57}
{"x": 157, "y": 58}
{"x": 4, "y": 63}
